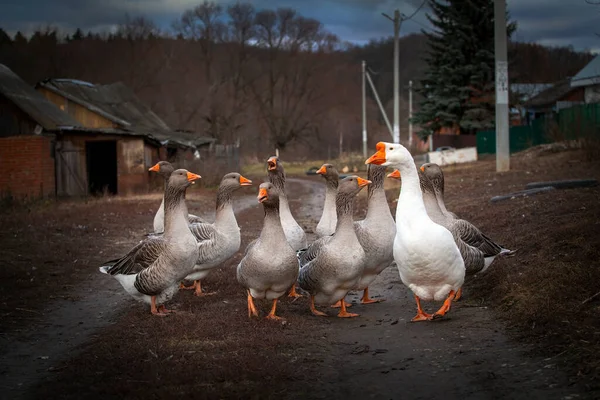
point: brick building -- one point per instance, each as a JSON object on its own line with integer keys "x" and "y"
{"x": 73, "y": 138}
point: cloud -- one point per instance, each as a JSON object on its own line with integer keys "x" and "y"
{"x": 550, "y": 22}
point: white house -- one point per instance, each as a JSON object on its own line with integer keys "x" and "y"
{"x": 589, "y": 79}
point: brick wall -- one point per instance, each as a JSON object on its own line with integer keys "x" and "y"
{"x": 27, "y": 167}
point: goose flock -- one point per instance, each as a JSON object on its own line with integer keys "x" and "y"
{"x": 432, "y": 247}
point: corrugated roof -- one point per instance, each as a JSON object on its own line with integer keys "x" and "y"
{"x": 528, "y": 90}
{"x": 589, "y": 75}
{"x": 119, "y": 104}
{"x": 551, "y": 95}
{"x": 31, "y": 102}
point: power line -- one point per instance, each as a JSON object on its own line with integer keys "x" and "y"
{"x": 415, "y": 12}
{"x": 421, "y": 24}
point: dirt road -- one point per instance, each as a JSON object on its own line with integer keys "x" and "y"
{"x": 380, "y": 355}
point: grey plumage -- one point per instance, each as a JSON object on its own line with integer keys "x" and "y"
{"x": 293, "y": 231}
{"x": 332, "y": 265}
{"x": 156, "y": 264}
{"x": 328, "y": 220}
{"x": 269, "y": 266}
{"x": 478, "y": 250}
{"x": 165, "y": 169}
{"x": 377, "y": 231}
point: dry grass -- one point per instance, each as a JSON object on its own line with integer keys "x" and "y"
{"x": 542, "y": 289}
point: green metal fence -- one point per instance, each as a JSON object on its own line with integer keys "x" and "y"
{"x": 572, "y": 123}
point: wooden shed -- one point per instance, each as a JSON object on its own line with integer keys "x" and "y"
{"x": 73, "y": 138}
{"x": 119, "y": 139}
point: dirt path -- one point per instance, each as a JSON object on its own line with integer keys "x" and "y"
{"x": 66, "y": 324}
{"x": 380, "y": 355}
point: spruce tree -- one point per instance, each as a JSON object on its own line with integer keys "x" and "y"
{"x": 458, "y": 88}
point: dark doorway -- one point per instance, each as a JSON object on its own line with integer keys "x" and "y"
{"x": 102, "y": 166}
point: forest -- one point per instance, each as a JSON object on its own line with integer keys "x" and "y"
{"x": 262, "y": 78}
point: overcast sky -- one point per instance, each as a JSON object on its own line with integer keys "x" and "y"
{"x": 549, "y": 22}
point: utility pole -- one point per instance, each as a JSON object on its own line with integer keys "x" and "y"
{"x": 364, "y": 109}
{"x": 397, "y": 22}
{"x": 410, "y": 127}
{"x": 502, "y": 127}
{"x": 385, "y": 118}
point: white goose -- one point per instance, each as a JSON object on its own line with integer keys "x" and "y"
{"x": 428, "y": 259}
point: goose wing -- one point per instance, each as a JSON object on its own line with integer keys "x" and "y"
{"x": 138, "y": 258}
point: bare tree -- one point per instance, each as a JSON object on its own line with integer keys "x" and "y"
{"x": 283, "y": 83}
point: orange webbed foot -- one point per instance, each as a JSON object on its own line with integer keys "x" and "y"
{"x": 366, "y": 300}
{"x": 293, "y": 293}
{"x": 313, "y": 310}
{"x": 445, "y": 307}
{"x": 345, "y": 314}
{"x": 339, "y": 304}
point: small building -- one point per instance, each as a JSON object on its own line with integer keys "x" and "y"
{"x": 84, "y": 138}
{"x": 28, "y": 127}
{"x": 589, "y": 79}
{"x": 553, "y": 99}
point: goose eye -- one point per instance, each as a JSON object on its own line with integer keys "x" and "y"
{"x": 391, "y": 148}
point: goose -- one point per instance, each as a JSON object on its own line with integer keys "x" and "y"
{"x": 428, "y": 259}
{"x": 437, "y": 179}
{"x": 164, "y": 169}
{"x": 471, "y": 237}
{"x": 294, "y": 233}
{"x": 151, "y": 271}
{"x": 376, "y": 232}
{"x": 333, "y": 265}
{"x": 220, "y": 240}
{"x": 326, "y": 225}
{"x": 266, "y": 273}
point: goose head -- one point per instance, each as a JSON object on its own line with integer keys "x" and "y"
{"x": 234, "y": 181}
{"x": 434, "y": 173}
{"x": 395, "y": 174}
{"x": 391, "y": 154}
{"x": 163, "y": 168}
{"x": 273, "y": 164}
{"x": 330, "y": 173}
{"x": 351, "y": 185}
{"x": 182, "y": 178}
{"x": 268, "y": 195}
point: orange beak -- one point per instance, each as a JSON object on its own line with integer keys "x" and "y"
{"x": 422, "y": 168}
{"x": 395, "y": 174}
{"x": 192, "y": 177}
{"x": 244, "y": 181}
{"x": 322, "y": 170}
{"x": 262, "y": 195}
{"x": 362, "y": 182}
{"x": 272, "y": 163}
{"x": 154, "y": 168}
{"x": 379, "y": 157}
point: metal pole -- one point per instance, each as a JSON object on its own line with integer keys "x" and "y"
{"x": 396, "y": 77}
{"x": 387, "y": 121}
{"x": 397, "y": 21}
{"x": 410, "y": 126}
{"x": 502, "y": 127}
{"x": 364, "y": 109}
